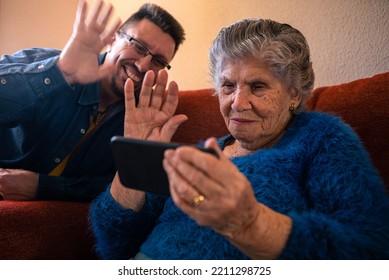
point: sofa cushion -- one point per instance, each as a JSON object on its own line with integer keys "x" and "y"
{"x": 364, "y": 105}
{"x": 40, "y": 230}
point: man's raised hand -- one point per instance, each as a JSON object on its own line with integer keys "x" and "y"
{"x": 79, "y": 59}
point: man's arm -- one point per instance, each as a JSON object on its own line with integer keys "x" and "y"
{"x": 27, "y": 77}
{"x": 84, "y": 188}
{"x": 18, "y": 184}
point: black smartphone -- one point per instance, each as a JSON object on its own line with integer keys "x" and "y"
{"x": 139, "y": 163}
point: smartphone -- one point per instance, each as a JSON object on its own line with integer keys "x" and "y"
{"x": 139, "y": 163}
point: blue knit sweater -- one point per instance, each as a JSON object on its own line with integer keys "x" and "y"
{"x": 319, "y": 174}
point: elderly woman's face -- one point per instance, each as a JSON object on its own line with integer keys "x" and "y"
{"x": 254, "y": 104}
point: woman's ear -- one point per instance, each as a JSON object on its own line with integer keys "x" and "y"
{"x": 296, "y": 97}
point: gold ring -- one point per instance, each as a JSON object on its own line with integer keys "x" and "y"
{"x": 196, "y": 201}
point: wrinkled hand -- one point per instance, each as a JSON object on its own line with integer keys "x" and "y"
{"x": 153, "y": 118}
{"x": 18, "y": 184}
{"x": 79, "y": 59}
{"x": 229, "y": 204}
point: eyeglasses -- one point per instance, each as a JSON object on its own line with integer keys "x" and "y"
{"x": 141, "y": 49}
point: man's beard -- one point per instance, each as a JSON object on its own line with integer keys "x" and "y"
{"x": 115, "y": 89}
{"x": 120, "y": 92}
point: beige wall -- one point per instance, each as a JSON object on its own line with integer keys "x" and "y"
{"x": 35, "y": 23}
{"x": 349, "y": 39}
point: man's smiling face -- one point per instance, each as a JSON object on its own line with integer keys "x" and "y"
{"x": 128, "y": 63}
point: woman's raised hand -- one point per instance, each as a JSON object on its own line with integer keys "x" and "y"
{"x": 153, "y": 118}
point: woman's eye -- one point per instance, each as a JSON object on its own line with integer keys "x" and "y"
{"x": 227, "y": 88}
{"x": 227, "y": 85}
{"x": 257, "y": 87}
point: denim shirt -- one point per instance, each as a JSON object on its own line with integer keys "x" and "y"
{"x": 42, "y": 119}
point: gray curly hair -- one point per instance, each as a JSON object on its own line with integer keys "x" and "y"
{"x": 281, "y": 47}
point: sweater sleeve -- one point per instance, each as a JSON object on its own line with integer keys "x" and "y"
{"x": 120, "y": 232}
{"x": 348, "y": 217}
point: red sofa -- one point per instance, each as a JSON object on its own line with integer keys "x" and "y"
{"x": 59, "y": 230}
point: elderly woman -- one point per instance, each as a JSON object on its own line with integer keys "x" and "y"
{"x": 287, "y": 184}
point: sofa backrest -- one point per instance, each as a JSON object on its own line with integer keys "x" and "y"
{"x": 363, "y": 104}
{"x": 204, "y": 118}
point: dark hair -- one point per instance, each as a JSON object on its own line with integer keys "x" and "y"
{"x": 161, "y": 18}
{"x": 283, "y": 48}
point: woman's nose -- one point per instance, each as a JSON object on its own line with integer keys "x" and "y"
{"x": 241, "y": 100}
